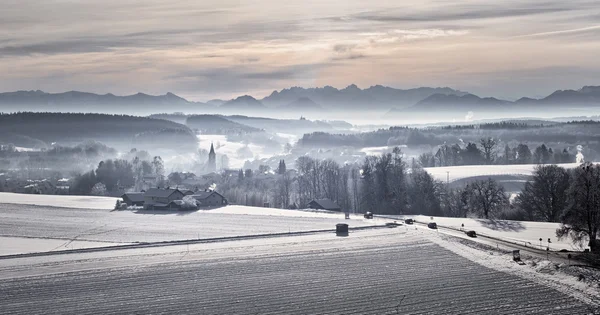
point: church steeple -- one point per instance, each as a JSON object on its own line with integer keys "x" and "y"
{"x": 212, "y": 159}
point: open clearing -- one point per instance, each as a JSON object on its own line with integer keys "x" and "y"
{"x": 386, "y": 271}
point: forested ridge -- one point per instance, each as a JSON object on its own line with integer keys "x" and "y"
{"x": 26, "y": 128}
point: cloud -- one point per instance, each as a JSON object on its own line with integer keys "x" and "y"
{"x": 588, "y": 29}
{"x": 460, "y": 12}
{"x": 203, "y": 47}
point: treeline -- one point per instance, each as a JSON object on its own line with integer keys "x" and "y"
{"x": 114, "y": 177}
{"x": 487, "y": 152}
{"x": 214, "y": 124}
{"x": 571, "y": 197}
{"x": 496, "y": 125}
{"x": 58, "y": 159}
{"x": 22, "y": 129}
{"x": 383, "y": 184}
{"x": 558, "y": 134}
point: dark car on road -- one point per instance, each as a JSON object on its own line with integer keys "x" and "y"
{"x": 471, "y": 234}
{"x": 368, "y": 215}
{"x": 432, "y": 225}
{"x": 409, "y": 221}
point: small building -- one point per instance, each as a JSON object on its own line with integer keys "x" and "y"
{"x": 188, "y": 192}
{"x": 324, "y": 204}
{"x": 176, "y": 205}
{"x": 209, "y": 199}
{"x": 156, "y": 198}
{"x": 133, "y": 199}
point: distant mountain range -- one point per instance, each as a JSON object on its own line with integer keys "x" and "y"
{"x": 354, "y": 98}
{"x": 587, "y": 97}
{"x": 75, "y": 101}
{"x": 295, "y": 99}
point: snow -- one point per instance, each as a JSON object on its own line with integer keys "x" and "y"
{"x": 16, "y": 245}
{"x": 466, "y": 171}
{"x": 306, "y": 213}
{"x": 379, "y": 150}
{"x": 37, "y": 224}
{"x": 521, "y": 232}
{"x": 539, "y": 271}
{"x": 80, "y": 202}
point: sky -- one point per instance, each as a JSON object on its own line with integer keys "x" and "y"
{"x": 209, "y": 49}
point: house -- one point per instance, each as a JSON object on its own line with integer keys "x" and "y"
{"x": 133, "y": 199}
{"x": 176, "y": 205}
{"x": 206, "y": 199}
{"x": 156, "y": 198}
{"x": 325, "y": 204}
{"x": 188, "y": 192}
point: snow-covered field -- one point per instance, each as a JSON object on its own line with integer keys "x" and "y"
{"x": 385, "y": 271}
{"x": 16, "y": 245}
{"x": 80, "y": 202}
{"x": 460, "y": 172}
{"x": 520, "y": 232}
{"x": 32, "y": 223}
{"x": 406, "y": 270}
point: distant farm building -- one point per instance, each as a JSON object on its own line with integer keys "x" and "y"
{"x": 176, "y": 205}
{"x": 209, "y": 199}
{"x": 156, "y": 198}
{"x": 324, "y": 204}
{"x": 133, "y": 199}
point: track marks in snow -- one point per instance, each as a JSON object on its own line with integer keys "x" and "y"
{"x": 406, "y": 275}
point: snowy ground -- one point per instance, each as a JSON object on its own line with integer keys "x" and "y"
{"x": 521, "y": 232}
{"x": 460, "y": 172}
{"x": 405, "y": 270}
{"x": 35, "y": 225}
{"x": 80, "y": 202}
{"x": 16, "y": 245}
{"x": 384, "y": 271}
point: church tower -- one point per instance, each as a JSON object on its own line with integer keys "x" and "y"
{"x": 212, "y": 159}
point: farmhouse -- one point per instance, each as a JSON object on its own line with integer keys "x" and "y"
{"x": 133, "y": 199}
{"x": 206, "y": 199}
{"x": 156, "y": 198}
{"x": 325, "y": 204}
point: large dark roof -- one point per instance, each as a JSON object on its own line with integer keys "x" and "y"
{"x": 204, "y": 194}
{"x": 134, "y": 196}
{"x": 161, "y": 193}
{"x": 326, "y": 204}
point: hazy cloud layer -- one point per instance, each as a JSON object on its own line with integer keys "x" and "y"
{"x": 219, "y": 49}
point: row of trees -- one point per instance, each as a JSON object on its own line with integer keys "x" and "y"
{"x": 555, "y": 194}
{"x": 115, "y": 176}
{"x": 383, "y": 184}
{"x": 487, "y": 153}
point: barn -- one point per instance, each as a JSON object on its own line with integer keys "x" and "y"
{"x": 324, "y": 204}
{"x": 209, "y": 199}
{"x": 133, "y": 198}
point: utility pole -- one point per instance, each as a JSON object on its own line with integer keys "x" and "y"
{"x": 448, "y": 178}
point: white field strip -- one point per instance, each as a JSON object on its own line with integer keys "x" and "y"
{"x": 466, "y": 171}
{"x": 78, "y": 202}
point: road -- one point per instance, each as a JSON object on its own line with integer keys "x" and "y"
{"x": 381, "y": 271}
